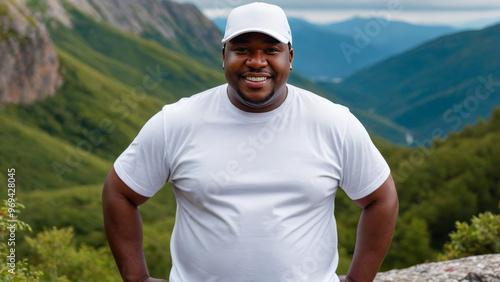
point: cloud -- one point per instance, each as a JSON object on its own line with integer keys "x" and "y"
{"x": 473, "y": 14}
{"x": 357, "y": 4}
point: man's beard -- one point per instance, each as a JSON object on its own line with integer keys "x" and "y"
{"x": 260, "y": 104}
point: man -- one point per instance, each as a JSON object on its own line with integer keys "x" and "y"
{"x": 255, "y": 165}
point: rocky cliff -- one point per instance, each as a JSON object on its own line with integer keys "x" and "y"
{"x": 28, "y": 61}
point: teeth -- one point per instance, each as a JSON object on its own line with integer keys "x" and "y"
{"x": 256, "y": 79}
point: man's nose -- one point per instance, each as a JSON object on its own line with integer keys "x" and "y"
{"x": 256, "y": 60}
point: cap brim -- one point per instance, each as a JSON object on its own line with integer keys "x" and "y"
{"x": 271, "y": 33}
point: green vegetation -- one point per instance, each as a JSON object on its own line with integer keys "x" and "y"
{"x": 43, "y": 161}
{"x": 59, "y": 259}
{"x": 72, "y": 219}
{"x": 12, "y": 267}
{"x": 38, "y": 5}
{"x": 63, "y": 147}
{"x": 482, "y": 236}
{"x": 53, "y": 254}
{"x": 4, "y": 9}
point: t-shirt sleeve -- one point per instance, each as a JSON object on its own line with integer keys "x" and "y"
{"x": 364, "y": 168}
{"x": 143, "y": 166}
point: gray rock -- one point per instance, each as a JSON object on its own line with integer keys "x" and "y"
{"x": 475, "y": 268}
{"x": 29, "y": 69}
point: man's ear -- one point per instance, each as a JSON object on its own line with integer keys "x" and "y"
{"x": 223, "y": 55}
{"x": 291, "y": 58}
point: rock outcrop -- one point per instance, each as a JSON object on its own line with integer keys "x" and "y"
{"x": 485, "y": 268}
{"x": 29, "y": 67}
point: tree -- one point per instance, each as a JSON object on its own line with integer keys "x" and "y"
{"x": 61, "y": 260}
{"x": 11, "y": 267}
{"x": 482, "y": 236}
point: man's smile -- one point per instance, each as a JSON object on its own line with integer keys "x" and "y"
{"x": 256, "y": 79}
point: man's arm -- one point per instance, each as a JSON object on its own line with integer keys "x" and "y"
{"x": 123, "y": 226}
{"x": 375, "y": 230}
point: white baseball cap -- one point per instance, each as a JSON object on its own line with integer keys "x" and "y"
{"x": 258, "y": 17}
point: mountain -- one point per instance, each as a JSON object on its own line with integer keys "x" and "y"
{"x": 327, "y": 52}
{"x": 318, "y": 53}
{"x": 395, "y": 37}
{"x": 433, "y": 89}
{"x": 180, "y": 27}
{"x": 29, "y": 69}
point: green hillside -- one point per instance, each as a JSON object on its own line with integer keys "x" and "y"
{"x": 453, "y": 178}
{"x": 114, "y": 82}
{"x": 448, "y": 181}
{"x": 63, "y": 146}
{"x": 133, "y": 60}
{"x": 42, "y": 161}
{"x": 443, "y": 84}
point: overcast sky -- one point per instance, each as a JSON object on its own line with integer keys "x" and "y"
{"x": 473, "y": 13}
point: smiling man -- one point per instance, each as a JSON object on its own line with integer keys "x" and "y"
{"x": 257, "y": 67}
{"x": 255, "y": 165}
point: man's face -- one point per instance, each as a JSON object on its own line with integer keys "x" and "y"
{"x": 257, "y": 67}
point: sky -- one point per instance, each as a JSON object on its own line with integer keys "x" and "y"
{"x": 457, "y": 13}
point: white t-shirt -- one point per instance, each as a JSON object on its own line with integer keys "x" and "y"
{"x": 255, "y": 191}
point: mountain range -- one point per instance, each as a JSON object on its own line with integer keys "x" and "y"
{"x": 334, "y": 51}
{"x": 433, "y": 89}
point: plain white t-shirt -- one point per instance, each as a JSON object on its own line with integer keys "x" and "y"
{"x": 255, "y": 191}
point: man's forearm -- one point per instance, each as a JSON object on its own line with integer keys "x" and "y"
{"x": 374, "y": 236}
{"x": 123, "y": 227}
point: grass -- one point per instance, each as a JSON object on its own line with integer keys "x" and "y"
{"x": 43, "y": 161}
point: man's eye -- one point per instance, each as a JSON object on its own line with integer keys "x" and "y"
{"x": 241, "y": 49}
{"x": 272, "y": 50}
